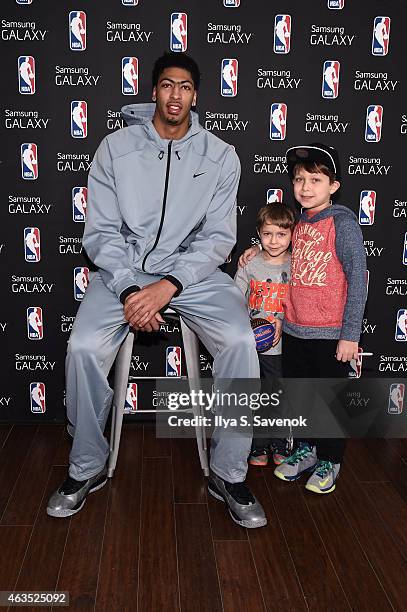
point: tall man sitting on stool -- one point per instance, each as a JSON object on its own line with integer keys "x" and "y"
{"x": 161, "y": 219}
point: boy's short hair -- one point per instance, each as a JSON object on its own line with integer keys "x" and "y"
{"x": 278, "y": 214}
{"x": 176, "y": 60}
{"x": 316, "y": 167}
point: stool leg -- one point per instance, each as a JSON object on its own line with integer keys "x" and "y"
{"x": 121, "y": 377}
{"x": 191, "y": 350}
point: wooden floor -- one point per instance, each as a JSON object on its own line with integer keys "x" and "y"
{"x": 153, "y": 541}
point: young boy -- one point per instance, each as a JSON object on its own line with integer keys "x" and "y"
{"x": 264, "y": 283}
{"x": 324, "y": 308}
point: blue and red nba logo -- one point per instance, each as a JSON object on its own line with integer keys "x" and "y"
{"x": 32, "y": 244}
{"x": 129, "y": 76}
{"x": 35, "y": 326}
{"x": 29, "y": 161}
{"x": 381, "y": 36}
{"x": 374, "y": 118}
{"x": 228, "y": 78}
{"x": 367, "y": 207}
{"x": 401, "y": 325}
{"x": 26, "y": 74}
{"x": 355, "y": 365}
{"x": 278, "y": 121}
{"x": 80, "y": 282}
{"x": 173, "y": 361}
{"x": 282, "y": 34}
{"x": 178, "y": 32}
{"x": 274, "y": 195}
{"x": 77, "y": 31}
{"x": 405, "y": 250}
{"x": 130, "y": 2}
{"x": 336, "y": 4}
{"x": 79, "y": 119}
{"x": 396, "y": 398}
{"x": 79, "y": 204}
{"x": 231, "y": 3}
{"x": 330, "y": 79}
{"x": 37, "y": 397}
{"x": 130, "y": 404}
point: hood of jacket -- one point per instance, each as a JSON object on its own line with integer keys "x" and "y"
{"x": 331, "y": 211}
{"x": 142, "y": 114}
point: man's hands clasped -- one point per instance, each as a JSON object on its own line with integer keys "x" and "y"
{"x": 141, "y": 309}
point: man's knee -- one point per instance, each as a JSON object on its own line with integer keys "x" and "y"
{"x": 239, "y": 338}
{"x": 83, "y": 346}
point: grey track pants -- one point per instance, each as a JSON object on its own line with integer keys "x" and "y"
{"x": 214, "y": 308}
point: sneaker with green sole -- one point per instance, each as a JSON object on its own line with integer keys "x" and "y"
{"x": 324, "y": 477}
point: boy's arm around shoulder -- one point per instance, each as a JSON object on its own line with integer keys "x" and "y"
{"x": 351, "y": 253}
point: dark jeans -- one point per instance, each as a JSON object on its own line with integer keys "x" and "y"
{"x": 270, "y": 371}
{"x": 315, "y": 359}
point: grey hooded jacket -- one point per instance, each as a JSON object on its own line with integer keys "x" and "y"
{"x": 160, "y": 207}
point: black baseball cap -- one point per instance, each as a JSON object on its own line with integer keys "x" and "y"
{"x": 315, "y": 153}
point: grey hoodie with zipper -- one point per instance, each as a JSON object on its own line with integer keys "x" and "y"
{"x": 160, "y": 207}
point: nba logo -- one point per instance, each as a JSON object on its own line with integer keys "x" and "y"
{"x": 282, "y": 34}
{"x": 130, "y": 2}
{"x": 231, "y": 3}
{"x": 79, "y": 119}
{"x": 381, "y": 35}
{"x": 336, "y": 4}
{"x": 401, "y": 325}
{"x": 367, "y": 207}
{"x": 373, "y": 130}
{"x": 80, "y": 282}
{"x": 29, "y": 161}
{"x": 129, "y": 76}
{"x": 278, "y": 121}
{"x": 396, "y": 398}
{"x": 355, "y": 365}
{"x": 26, "y": 74}
{"x": 274, "y": 195}
{"x": 173, "y": 361}
{"x": 178, "y": 32}
{"x": 79, "y": 204}
{"x": 330, "y": 79}
{"x": 405, "y": 250}
{"x": 130, "y": 404}
{"x": 77, "y": 31}
{"x": 35, "y": 329}
{"x": 24, "y": 1}
{"x": 37, "y": 397}
{"x": 32, "y": 244}
{"x": 228, "y": 78}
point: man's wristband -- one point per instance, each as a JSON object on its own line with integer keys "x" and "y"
{"x": 176, "y": 283}
{"x": 124, "y": 294}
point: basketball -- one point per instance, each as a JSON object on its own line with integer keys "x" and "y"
{"x": 264, "y": 332}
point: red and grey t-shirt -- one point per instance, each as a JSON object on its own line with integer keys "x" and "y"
{"x": 265, "y": 286}
{"x": 327, "y": 290}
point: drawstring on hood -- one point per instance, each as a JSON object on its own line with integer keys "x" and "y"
{"x": 142, "y": 114}
{"x": 178, "y": 155}
{"x": 161, "y": 155}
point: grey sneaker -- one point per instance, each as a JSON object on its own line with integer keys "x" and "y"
{"x": 71, "y": 495}
{"x": 243, "y": 507}
{"x": 304, "y": 458}
{"x": 324, "y": 477}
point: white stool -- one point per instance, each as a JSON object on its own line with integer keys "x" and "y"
{"x": 122, "y": 370}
